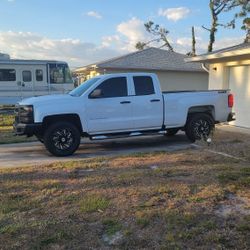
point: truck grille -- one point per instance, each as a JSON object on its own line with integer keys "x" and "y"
{"x": 16, "y": 113}
{"x": 22, "y": 116}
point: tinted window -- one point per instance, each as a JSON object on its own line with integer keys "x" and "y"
{"x": 143, "y": 85}
{"x": 114, "y": 87}
{"x": 39, "y": 75}
{"x": 27, "y": 76}
{"x": 7, "y": 75}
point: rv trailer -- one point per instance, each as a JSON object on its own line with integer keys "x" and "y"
{"x": 20, "y": 79}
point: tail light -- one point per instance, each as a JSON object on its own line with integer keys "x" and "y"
{"x": 230, "y": 100}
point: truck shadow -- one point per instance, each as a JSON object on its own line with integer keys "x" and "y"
{"x": 135, "y": 143}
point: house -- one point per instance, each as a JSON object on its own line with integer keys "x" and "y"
{"x": 229, "y": 68}
{"x": 173, "y": 72}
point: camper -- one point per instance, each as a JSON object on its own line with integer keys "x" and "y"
{"x": 20, "y": 79}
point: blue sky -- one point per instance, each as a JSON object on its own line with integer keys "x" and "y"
{"x": 85, "y": 31}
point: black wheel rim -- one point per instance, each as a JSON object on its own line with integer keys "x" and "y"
{"x": 201, "y": 129}
{"x": 62, "y": 139}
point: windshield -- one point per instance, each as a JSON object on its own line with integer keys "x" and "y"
{"x": 59, "y": 73}
{"x": 83, "y": 87}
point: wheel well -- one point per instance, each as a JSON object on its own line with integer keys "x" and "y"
{"x": 202, "y": 109}
{"x": 72, "y": 118}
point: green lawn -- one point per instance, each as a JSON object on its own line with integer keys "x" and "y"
{"x": 6, "y": 131}
{"x": 190, "y": 199}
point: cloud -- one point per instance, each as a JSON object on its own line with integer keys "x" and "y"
{"x": 27, "y": 45}
{"x": 132, "y": 31}
{"x": 174, "y": 14}
{"x": 183, "y": 44}
{"x": 94, "y": 14}
{"x": 109, "y": 41}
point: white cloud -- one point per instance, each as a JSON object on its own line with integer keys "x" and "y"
{"x": 110, "y": 41}
{"x": 94, "y": 14}
{"x": 183, "y": 44}
{"x": 132, "y": 31}
{"x": 174, "y": 14}
{"x": 27, "y": 45}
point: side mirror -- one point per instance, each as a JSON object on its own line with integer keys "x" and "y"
{"x": 96, "y": 93}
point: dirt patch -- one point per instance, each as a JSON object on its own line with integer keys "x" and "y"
{"x": 234, "y": 206}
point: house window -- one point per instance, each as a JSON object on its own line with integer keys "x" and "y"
{"x": 27, "y": 76}
{"x": 143, "y": 85}
{"x": 39, "y": 75}
{"x": 7, "y": 75}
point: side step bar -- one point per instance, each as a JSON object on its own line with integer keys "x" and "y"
{"x": 126, "y": 135}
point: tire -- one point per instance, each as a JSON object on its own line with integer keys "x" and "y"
{"x": 171, "y": 131}
{"x": 199, "y": 126}
{"x": 62, "y": 139}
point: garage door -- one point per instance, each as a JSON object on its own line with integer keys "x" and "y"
{"x": 239, "y": 83}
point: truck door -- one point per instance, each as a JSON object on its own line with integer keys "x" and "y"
{"x": 110, "y": 110}
{"x": 147, "y": 104}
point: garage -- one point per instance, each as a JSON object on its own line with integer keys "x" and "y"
{"x": 229, "y": 68}
{"x": 239, "y": 83}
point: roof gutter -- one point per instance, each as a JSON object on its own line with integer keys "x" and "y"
{"x": 204, "y": 67}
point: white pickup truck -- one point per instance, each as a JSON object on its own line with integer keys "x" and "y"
{"x": 120, "y": 105}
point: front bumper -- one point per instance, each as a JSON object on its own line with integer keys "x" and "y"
{"x": 231, "y": 117}
{"x": 27, "y": 129}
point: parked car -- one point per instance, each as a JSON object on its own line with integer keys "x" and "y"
{"x": 120, "y": 105}
{"x": 20, "y": 79}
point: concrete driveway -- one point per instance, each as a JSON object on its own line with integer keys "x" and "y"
{"x": 34, "y": 153}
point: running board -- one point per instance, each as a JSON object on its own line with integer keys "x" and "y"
{"x": 125, "y": 135}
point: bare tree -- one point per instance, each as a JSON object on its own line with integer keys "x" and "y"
{"x": 219, "y": 6}
{"x": 193, "y": 52}
{"x": 160, "y": 34}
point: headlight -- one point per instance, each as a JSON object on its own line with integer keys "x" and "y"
{"x": 27, "y": 109}
{"x": 26, "y": 114}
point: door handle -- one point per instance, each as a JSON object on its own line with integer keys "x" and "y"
{"x": 125, "y": 102}
{"x": 155, "y": 100}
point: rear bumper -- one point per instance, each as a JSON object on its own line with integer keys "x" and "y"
{"x": 231, "y": 117}
{"x": 27, "y": 129}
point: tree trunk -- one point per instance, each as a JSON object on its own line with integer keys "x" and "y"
{"x": 213, "y": 27}
{"x": 193, "y": 42}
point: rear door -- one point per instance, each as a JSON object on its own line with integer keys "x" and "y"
{"x": 111, "y": 111}
{"x": 147, "y": 104}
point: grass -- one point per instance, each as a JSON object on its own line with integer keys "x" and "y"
{"x": 111, "y": 226}
{"x": 93, "y": 203}
{"x": 171, "y": 207}
{"x": 6, "y": 131}
{"x": 194, "y": 199}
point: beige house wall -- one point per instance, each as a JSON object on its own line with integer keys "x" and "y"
{"x": 219, "y": 73}
{"x": 175, "y": 80}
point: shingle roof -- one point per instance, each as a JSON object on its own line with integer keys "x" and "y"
{"x": 152, "y": 59}
{"x": 228, "y": 49}
{"x": 240, "y": 51}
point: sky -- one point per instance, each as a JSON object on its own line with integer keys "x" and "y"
{"x": 82, "y": 32}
